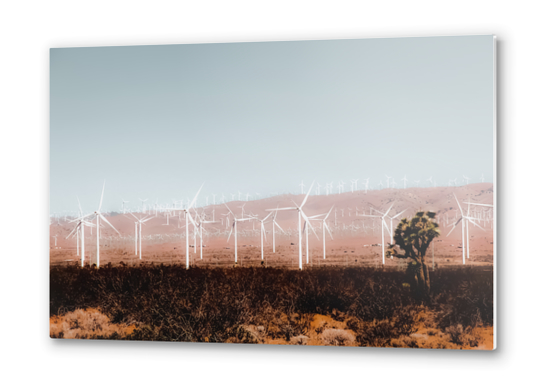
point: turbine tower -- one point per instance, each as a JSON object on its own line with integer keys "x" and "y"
{"x": 464, "y": 219}
{"x": 383, "y": 219}
{"x": 324, "y": 228}
{"x": 138, "y": 224}
{"x": 300, "y": 214}
{"x": 234, "y": 228}
{"x": 187, "y": 217}
{"x": 99, "y": 216}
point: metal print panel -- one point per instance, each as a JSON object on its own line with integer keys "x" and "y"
{"x": 325, "y": 193}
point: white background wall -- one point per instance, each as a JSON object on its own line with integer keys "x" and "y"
{"x": 29, "y": 28}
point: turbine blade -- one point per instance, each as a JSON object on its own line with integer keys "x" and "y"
{"x": 277, "y": 224}
{"x": 394, "y": 217}
{"x": 476, "y": 224}
{"x": 101, "y": 199}
{"x": 111, "y": 225}
{"x": 231, "y": 230}
{"x": 459, "y": 205}
{"x": 389, "y": 209}
{"x": 454, "y": 226}
{"x": 80, "y": 209}
{"x": 329, "y": 213}
{"x": 77, "y": 226}
{"x": 195, "y": 197}
{"x": 307, "y": 195}
{"x": 309, "y": 223}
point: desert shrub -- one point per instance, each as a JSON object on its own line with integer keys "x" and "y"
{"x": 341, "y": 337}
{"x": 463, "y": 336}
{"x": 405, "y": 342}
{"x": 299, "y": 340}
{"x": 168, "y": 302}
{"x": 86, "y": 324}
{"x": 379, "y": 333}
{"x": 464, "y": 297}
{"x": 456, "y": 333}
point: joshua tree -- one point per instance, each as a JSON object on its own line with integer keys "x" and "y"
{"x": 413, "y": 238}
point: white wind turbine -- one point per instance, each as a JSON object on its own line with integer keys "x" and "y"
{"x": 143, "y": 206}
{"x": 404, "y": 179}
{"x": 354, "y": 184}
{"x": 99, "y": 216}
{"x": 262, "y": 230}
{"x": 200, "y": 230}
{"x": 187, "y": 217}
{"x": 383, "y": 219}
{"x": 306, "y": 232}
{"x": 302, "y": 185}
{"x": 388, "y": 180}
{"x": 275, "y": 224}
{"x": 80, "y": 228}
{"x": 139, "y": 223}
{"x": 324, "y": 228}
{"x": 465, "y": 219}
{"x": 123, "y": 207}
{"x": 300, "y": 214}
{"x": 366, "y": 185}
{"x": 234, "y": 229}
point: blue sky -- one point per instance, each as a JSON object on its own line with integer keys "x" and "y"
{"x": 158, "y": 121}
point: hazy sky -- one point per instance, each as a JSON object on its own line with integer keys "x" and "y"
{"x": 157, "y": 121}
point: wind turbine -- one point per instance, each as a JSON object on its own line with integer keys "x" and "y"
{"x": 300, "y": 214}
{"x": 234, "y": 228}
{"x": 123, "y": 207}
{"x": 464, "y": 219}
{"x": 404, "y": 179}
{"x": 187, "y": 217}
{"x": 383, "y": 219}
{"x": 388, "y": 180}
{"x": 354, "y": 182}
{"x": 139, "y": 223}
{"x": 143, "y": 206}
{"x": 200, "y": 227}
{"x": 302, "y": 185}
{"x": 80, "y": 228}
{"x": 324, "y": 228}
{"x": 262, "y": 229}
{"x": 275, "y": 224}
{"x": 98, "y": 217}
{"x": 306, "y": 232}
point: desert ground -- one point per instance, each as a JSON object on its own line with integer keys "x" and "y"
{"x": 347, "y": 299}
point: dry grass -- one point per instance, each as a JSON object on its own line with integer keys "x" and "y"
{"x": 339, "y": 337}
{"x": 87, "y": 324}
